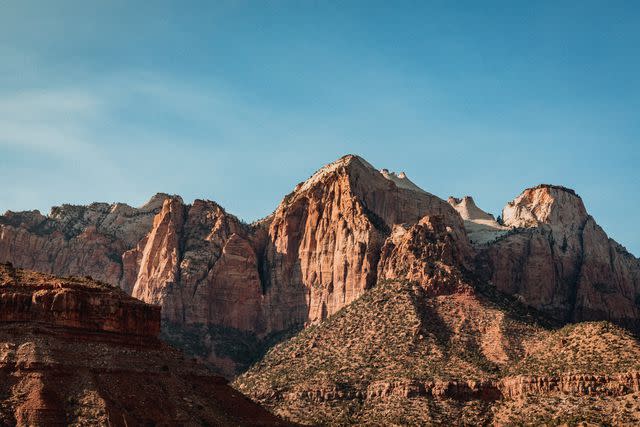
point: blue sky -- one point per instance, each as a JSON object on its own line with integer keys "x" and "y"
{"x": 238, "y": 101}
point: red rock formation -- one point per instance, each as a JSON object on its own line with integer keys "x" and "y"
{"x": 197, "y": 265}
{"x": 235, "y": 294}
{"x": 74, "y": 303}
{"x": 160, "y": 260}
{"x": 575, "y": 384}
{"x": 77, "y": 240}
{"x": 426, "y": 253}
{"x": 560, "y": 261}
{"x": 329, "y": 241}
{"x": 317, "y": 252}
{"x": 79, "y": 351}
{"x": 325, "y": 238}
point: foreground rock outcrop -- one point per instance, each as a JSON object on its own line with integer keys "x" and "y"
{"x": 75, "y": 351}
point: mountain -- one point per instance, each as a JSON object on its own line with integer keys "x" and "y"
{"x": 230, "y": 290}
{"x": 226, "y": 287}
{"x": 481, "y": 226}
{"x": 432, "y": 343}
{"x": 75, "y": 351}
{"x": 557, "y": 259}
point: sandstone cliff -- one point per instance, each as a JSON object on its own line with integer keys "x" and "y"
{"x": 325, "y": 238}
{"x": 78, "y": 240}
{"x": 199, "y": 266}
{"x": 557, "y": 259}
{"x": 75, "y": 351}
{"x": 74, "y": 303}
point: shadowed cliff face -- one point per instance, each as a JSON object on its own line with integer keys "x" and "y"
{"x": 73, "y": 350}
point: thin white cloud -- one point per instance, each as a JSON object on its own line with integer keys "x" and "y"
{"x": 48, "y": 120}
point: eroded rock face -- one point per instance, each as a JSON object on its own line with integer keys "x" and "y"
{"x": 74, "y": 303}
{"x": 77, "y": 351}
{"x": 325, "y": 237}
{"x": 78, "y": 240}
{"x": 425, "y": 253}
{"x": 327, "y": 243}
{"x": 316, "y": 253}
{"x": 557, "y": 259}
{"x": 576, "y": 384}
{"x": 199, "y": 266}
{"x": 545, "y": 204}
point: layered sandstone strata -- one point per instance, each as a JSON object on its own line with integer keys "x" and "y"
{"x": 77, "y": 303}
{"x": 326, "y": 244}
{"x": 79, "y": 352}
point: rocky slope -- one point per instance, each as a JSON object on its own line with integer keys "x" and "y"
{"x": 79, "y": 352}
{"x": 443, "y": 347}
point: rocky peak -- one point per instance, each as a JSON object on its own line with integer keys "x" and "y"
{"x": 545, "y": 204}
{"x": 558, "y": 260}
{"x": 156, "y": 202}
{"x": 325, "y": 237}
{"x": 481, "y": 226}
{"x": 178, "y": 265}
{"x": 388, "y": 197}
{"x": 468, "y": 210}
{"x": 401, "y": 180}
{"x": 427, "y": 253}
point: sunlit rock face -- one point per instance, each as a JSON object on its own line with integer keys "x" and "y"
{"x": 556, "y": 258}
{"x": 481, "y": 227}
{"x": 325, "y": 237}
{"x": 79, "y": 240}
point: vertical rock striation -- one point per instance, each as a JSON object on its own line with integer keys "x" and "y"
{"x": 557, "y": 259}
